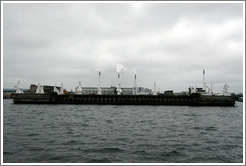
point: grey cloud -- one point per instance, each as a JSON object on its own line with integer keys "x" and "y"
{"x": 58, "y": 42}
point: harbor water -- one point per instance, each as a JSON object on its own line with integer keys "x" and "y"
{"x": 121, "y": 134}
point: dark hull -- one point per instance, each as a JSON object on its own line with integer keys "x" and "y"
{"x": 191, "y": 100}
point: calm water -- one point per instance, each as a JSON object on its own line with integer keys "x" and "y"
{"x": 121, "y": 134}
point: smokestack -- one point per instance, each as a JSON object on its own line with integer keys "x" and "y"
{"x": 211, "y": 88}
{"x": 99, "y": 79}
{"x": 118, "y": 89}
{"x": 154, "y": 91}
{"x": 204, "y": 83}
{"x": 135, "y": 85}
{"x": 99, "y": 90}
{"x": 119, "y": 79}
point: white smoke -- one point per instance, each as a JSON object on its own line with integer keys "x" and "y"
{"x": 120, "y": 68}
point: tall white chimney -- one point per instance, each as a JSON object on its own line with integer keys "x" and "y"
{"x": 119, "y": 91}
{"x": 154, "y": 91}
{"x": 135, "y": 85}
{"x": 99, "y": 90}
{"x": 204, "y": 83}
{"x": 119, "y": 79}
{"x": 211, "y": 88}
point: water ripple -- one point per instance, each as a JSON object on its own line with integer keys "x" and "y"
{"x": 121, "y": 134}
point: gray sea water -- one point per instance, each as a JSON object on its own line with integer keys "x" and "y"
{"x": 121, "y": 134}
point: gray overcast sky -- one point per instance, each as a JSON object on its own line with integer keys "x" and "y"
{"x": 169, "y": 43}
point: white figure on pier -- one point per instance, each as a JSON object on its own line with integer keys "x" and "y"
{"x": 40, "y": 89}
{"x": 61, "y": 92}
{"x": 193, "y": 90}
{"x": 55, "y": 89}
{"x": 225, "y": 90}
{"x": 18, "y": 89}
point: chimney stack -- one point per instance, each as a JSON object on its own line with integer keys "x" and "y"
{"x": 99, "y": 90}
{"x": 118, "y": 89}
{"x": 204, "y": 83}
{"x": 135, "y": 85}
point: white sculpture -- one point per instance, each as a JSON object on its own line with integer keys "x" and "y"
{"x": 78, "y": 90}
{"x": 225, "y": 90}
{"x": 40, "y": 89}
{"x": 61, "y": 92}
{"x": 55, "y": 89}
{"x": 18, "y": 89}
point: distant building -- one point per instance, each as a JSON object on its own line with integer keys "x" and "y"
{"x": 7, "y": 92}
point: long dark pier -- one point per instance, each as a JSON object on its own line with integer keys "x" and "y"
{"x": 192, "y": 100}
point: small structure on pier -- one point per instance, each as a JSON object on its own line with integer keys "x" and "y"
{"x": 18, "y": 89}
{"x": 79, "y": 90}
{"x": 55, "y": 89}
{"x": 40, "y": 89}
{"x": 61, "y": 92}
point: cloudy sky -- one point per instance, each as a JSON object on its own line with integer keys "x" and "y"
{"x": 166, "y": 43}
